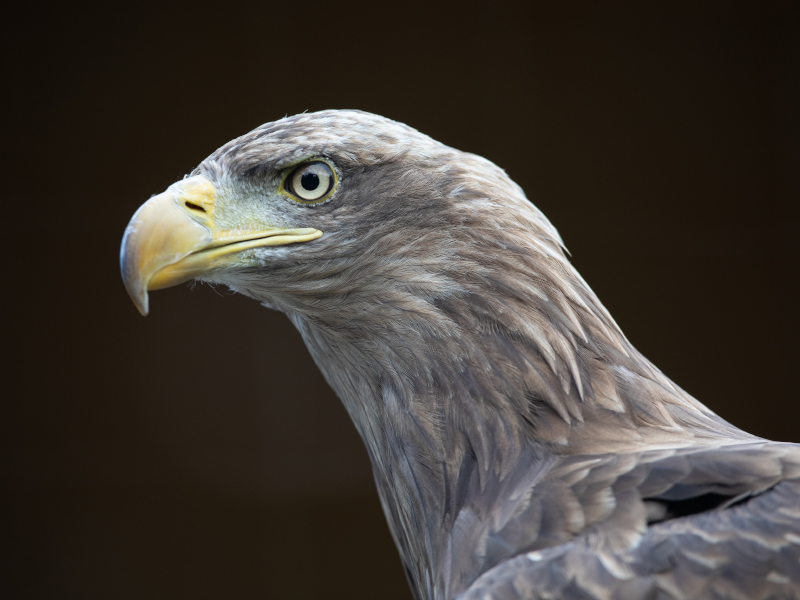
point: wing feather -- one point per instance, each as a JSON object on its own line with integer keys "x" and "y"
{"x": 593, "y": 540}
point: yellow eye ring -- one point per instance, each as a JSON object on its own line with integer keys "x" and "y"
{"x": 311, "y": 182}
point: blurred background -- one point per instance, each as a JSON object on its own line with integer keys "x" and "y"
{"x": 198, "y": 453}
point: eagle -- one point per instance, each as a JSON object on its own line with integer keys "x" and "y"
{"x": 521, "y": 447}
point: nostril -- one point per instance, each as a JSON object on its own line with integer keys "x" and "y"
{"x": 194, "y": 206}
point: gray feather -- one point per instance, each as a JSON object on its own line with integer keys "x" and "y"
{"x": 522, "y": 447}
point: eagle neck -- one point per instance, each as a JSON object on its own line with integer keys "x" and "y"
{"x": 465, "y": 384}
{"x": 443, "y": 455}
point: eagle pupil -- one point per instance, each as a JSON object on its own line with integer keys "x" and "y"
{"x": 309, "y": 181}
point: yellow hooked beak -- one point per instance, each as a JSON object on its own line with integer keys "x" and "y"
{"x": 172, "y": 238}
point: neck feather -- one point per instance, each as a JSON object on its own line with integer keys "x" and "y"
{"x": 464, "y": 398}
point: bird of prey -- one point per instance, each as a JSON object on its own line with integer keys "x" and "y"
{"x": 522, "y": 448}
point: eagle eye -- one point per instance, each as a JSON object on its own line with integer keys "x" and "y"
{"x": 310, "y": 182}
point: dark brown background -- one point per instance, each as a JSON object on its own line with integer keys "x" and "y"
{"x": 198, "y": 453}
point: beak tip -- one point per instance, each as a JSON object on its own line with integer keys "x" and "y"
{"x": 141, "y": 301}
{"x": 137, "y": 291}
{"x": 143, "y": 307}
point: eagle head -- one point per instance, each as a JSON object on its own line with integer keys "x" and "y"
{"x": 323, "y": 210}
